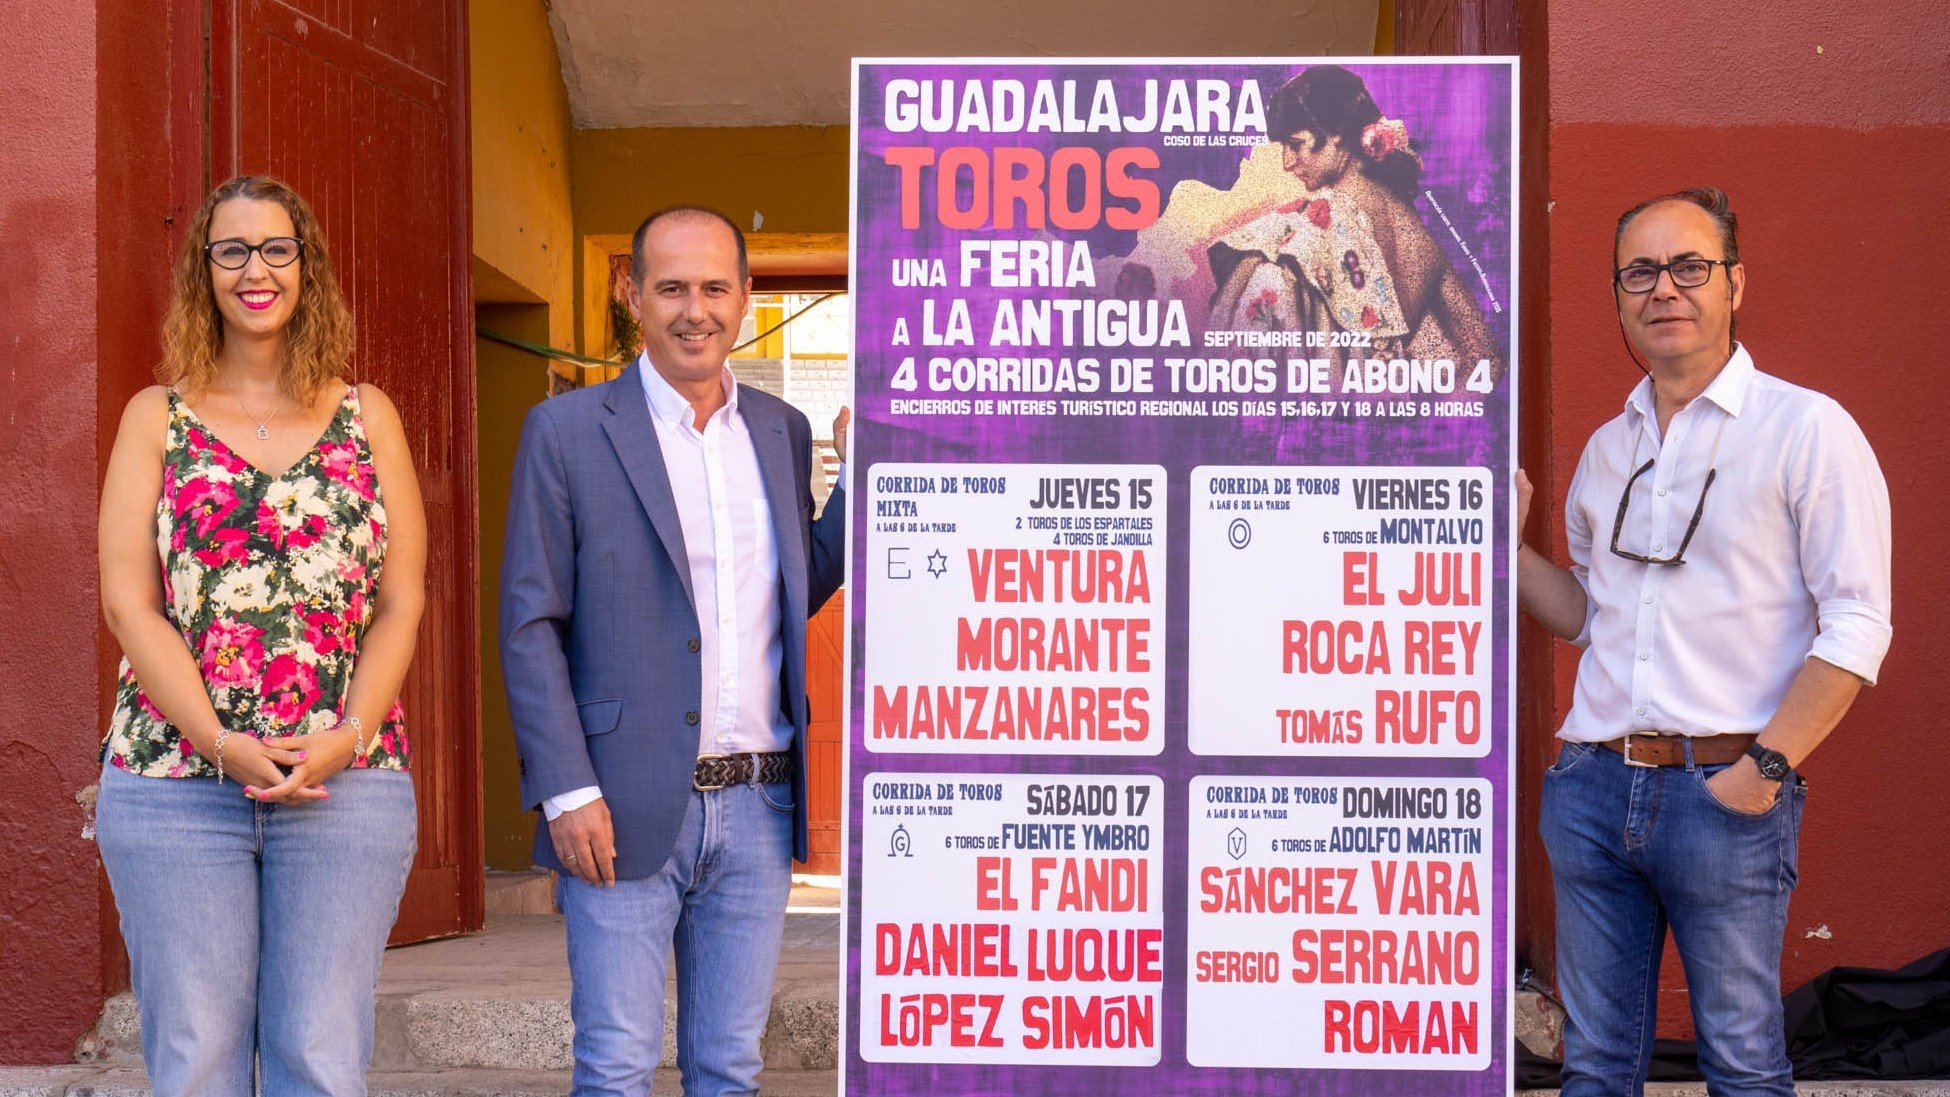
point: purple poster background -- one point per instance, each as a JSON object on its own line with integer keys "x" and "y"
{"x": 1460, "y": 116}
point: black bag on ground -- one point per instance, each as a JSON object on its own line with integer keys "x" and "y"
{"x": 1851, "y": 1022}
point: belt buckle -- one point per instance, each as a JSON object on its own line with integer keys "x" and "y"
{"x": 1627, "y": 752}
{"x": 702, "y": 758}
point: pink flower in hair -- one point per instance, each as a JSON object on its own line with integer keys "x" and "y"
{"x": 1380, "y": 138}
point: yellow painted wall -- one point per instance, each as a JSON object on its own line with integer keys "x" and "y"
{"x": 508, "y": 383}
{"x": 795, "y": 176}
{"x": 524, "y": 251}
{"x": 523, "y": 230}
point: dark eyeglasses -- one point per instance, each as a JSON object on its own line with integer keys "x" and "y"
{"x": 1625, "y": 501}
{"x": 1686, "y": 274}
{"x": 278, "y": 251}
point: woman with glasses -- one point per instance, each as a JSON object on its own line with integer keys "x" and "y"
{"x": 262, "y": 556}
{"x": 1352, "y": 257}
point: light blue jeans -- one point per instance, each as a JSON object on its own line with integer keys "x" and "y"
{"x": 1634, "y": 851}
{"x": 255, "y": 930}
{"x": 720, "y": 900}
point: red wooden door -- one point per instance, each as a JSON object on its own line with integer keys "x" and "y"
{"x": 362, "y": 106}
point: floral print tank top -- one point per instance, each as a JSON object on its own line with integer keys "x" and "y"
{"x": 270, "y": 580}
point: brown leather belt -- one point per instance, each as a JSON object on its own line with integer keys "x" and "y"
{"x": 1670, "y": 750}
{"x": 716, "y": 771}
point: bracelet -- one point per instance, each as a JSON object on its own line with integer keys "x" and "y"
{"x": 222, "y": 734}
{"x": 358, "y": 737}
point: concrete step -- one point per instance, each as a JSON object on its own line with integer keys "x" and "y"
{"x": 84, "y": 1081}
{"x": 499, "y": 1000}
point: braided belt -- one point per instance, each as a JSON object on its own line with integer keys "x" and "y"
{"x": 716, "y": 771}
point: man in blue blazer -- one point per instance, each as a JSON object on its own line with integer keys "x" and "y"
{"x": 661, "y": 563}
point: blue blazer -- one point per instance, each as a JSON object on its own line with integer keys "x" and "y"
{"x": 599, "y": 629}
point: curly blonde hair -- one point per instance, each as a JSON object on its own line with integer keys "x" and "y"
{"x": 318, "y": 340}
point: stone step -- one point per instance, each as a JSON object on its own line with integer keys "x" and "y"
{"x": 499, "y": 1000}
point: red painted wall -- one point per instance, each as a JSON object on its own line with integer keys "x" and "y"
{"x": 49, "y": 717}
{"x": 1829, "y": 124}
{"x": 92, "y": 205}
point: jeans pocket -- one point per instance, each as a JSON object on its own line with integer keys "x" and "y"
{"x": 1701, "y": 775}
{"x": 1570, "y": 756}
{"x": 777, "y": 797}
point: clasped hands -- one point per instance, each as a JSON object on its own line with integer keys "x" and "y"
{"x": 288, "y": 769}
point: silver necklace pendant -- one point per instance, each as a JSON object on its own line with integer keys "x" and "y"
{"x": 263, "y": 433}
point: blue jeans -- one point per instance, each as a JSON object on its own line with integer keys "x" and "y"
{"x": 720, "y": 900}
{"x": 255, "y": 930}
{"x": 1634, "y": 850}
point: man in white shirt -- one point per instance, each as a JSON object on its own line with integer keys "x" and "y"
{"x": 661, "y": 563}
{"x": 1729, "y": 580}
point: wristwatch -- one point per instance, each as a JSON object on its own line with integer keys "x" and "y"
{"x": 1773, "y": 764}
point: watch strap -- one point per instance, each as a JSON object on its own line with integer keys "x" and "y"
{"x": 1773, "y": 764}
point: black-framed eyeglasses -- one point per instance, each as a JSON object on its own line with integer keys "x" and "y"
{"x": 1686, "y": 274}
{"x": 1625, "y": 502}
{"x": 278, "y": 251}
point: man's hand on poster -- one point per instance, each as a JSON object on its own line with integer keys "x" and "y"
{"x": 1524, "y": 492}
{"x": 840, "y": 422}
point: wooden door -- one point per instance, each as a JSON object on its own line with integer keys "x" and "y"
{"x": 362, "y": 106}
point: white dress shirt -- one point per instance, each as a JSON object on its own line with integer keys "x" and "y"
{"x": 1791, "y": 558}
{"x": 734, "y": 566}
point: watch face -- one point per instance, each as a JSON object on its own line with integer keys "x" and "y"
{"x": 1773, "y": 764}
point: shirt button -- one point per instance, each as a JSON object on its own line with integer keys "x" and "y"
{"x": 1641, "y": 711}
{"x": 1662, "y": 492}
{"x": 1645, "y": 656}
{"x": 693, "y": 643}
{"x": 691, "y": 717}
{"x": 1658, "y": 545}
{"x": 1648, "y": 599}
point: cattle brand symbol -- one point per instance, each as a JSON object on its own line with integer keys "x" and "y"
{"x": 1236, "y": 843}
